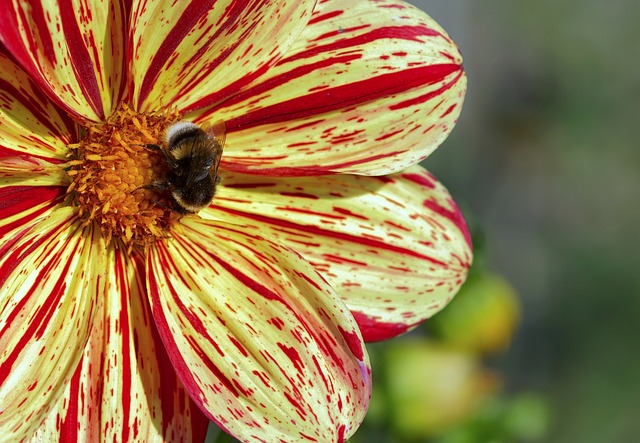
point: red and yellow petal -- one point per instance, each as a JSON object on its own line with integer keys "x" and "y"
{"x": 22, "y": 206}
{"x": 192, "y": 54}
{"x": 124, "y": 388}
{"x": 369, "y": 88}
{"x": 30, "y": 123}
{"x": 51, "y": 272}
{"x": 395, "y": 248}
{"x": 26, "y": 170}
{"x": 259, "y": 340}
{"x": 72, "y": 49}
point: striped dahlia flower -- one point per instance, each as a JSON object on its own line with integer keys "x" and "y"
{"x": 123, "y": 319}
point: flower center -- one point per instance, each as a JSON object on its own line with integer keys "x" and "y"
{"x": 110, "y": 166}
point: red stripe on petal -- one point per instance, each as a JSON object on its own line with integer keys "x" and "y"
{"x": 410, "y": 33}
{"x": 375, "y": 330}
{"x": 420, "y": 179}
{"x": 315, "y": 230}
{"x": 293, "y": 355}
{"x": 44, "y": 312}
{"x": 45, "y": 38}
{"x": 125, "y": 332}
{"x": 344, "y": 96}
{"x": 354, "y": 343}
{"x": 17, "y": 199}
{"x": 305, "y": 171}
{"x": 362, "y": 160}
{"x": 275, "y": 172}
{"x": 299, "y": 195}
{"x": 428, "y": 96}
{"x": 194, "y": 12}
{"x": 80, "y": 58}
{"x": 248, "y": 281}
{"x": 453, "y": 214}
{"x": 69, "y": 425}
{"x": 262, "y": 88}
{"x": 323, "y": 17}
{"x": 33, "y": 106}
{"x": 228, "y": 91}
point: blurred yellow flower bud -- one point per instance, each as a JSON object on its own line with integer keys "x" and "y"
{"x": 482, "y": 317}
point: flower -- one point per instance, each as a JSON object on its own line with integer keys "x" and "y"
{"x": 119, "y": 319}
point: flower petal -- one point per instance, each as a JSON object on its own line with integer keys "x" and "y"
{"x": 370, "y": 88}
{"x": 396, "y": 248}
{"x": 26, "y": 170}
{"x": 29, "y": 122}
{"x": 50, "y": 275}
{"x": 22, "y": 206}
{"x": 182, "y": 51}
{"x": 259, "y": 340}
{"x": 73, "y": 50}
{"x": 124, "y": 388}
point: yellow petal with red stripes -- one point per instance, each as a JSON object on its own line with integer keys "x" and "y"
{"x": 368, "y": 88}
{"x": 72, "y": 49}
{"x": 124, "y": 388}
{"x": 51, "y": 276}
{"x": 396, "y": 248}
{"x": 260, "y": 341}
{"x": 184, "y": 51}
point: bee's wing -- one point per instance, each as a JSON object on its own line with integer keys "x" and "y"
{"x": 204, "y": 161}
{"x": 218, "y": 132}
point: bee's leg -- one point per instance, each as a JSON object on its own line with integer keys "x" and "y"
{"x": 159, "y": 203}
{"x": 158, "y": 185}
{"x": 174, "y": 206}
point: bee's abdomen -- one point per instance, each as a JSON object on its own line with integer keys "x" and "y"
{"x": 195, "y": 197}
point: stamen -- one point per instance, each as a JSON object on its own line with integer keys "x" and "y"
{"x": 109, "y": 167}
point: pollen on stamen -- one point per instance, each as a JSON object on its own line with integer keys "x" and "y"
{"x": 109, "y": 167}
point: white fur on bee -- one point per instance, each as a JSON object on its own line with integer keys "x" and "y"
{"x": 178, "y": 196}
{"x": 178, "y": 129}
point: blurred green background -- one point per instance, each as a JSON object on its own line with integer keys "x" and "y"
{"x": 542, "y": 343}
{"x": 545, "y": 163}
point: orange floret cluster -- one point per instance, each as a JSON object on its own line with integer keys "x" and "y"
{"x": 109, "y": 167}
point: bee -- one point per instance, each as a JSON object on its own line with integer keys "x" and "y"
{"x": 193, "y": 157}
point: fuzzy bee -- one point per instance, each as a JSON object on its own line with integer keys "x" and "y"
{"x": 193, "y": 156}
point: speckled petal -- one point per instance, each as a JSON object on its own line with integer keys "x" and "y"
{"x": 22, "y": 206}
{"x": 26, "y": 170}
{"x": 371, "y": 87}
{"x": 395, "y": 248}
{"x": 124, "y": 388}
{"x": 195, "y": 53}
{"x": 51, "y": 272}
{"x": 72, "y": 49}
{"x": 259, "y": 340}
{"x": 30, "y": 123}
